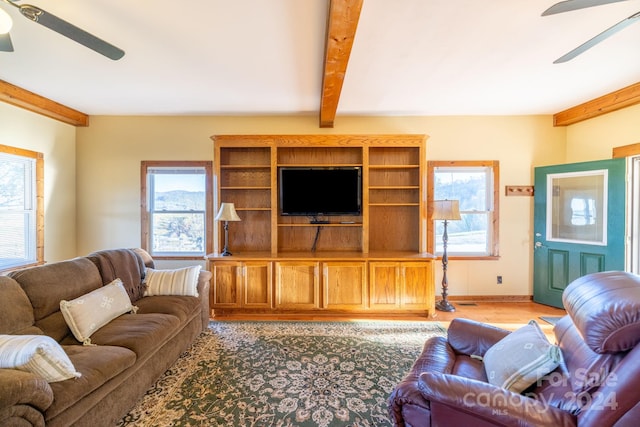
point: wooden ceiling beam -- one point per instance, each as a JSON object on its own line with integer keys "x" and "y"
{"x": 342, "y": 22}
{"x": 613, "y": 101}
{"x": 38, "y": 104}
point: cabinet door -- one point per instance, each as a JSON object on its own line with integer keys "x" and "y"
{"x": 257, "y": 284}
{"x": 344, "y": 285}
{"x": 417, "y": 285}
{"x": 384, "y": 289}
{"x": 297, "y": 285}
{"x": 226, "y": 284}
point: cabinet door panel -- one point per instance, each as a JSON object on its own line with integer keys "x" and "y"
{"x": 297, "y": 285}
{"x": 226, "y": 284}
{"x": 257, "y": 284}
{"x": 417, "y": 284}
{"x": 344, "y": 285}
{"x": 383, "y": 285}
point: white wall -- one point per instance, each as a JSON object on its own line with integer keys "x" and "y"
{"x": 102, "y": 189}
{"x": 57, "y": 141}
{"x": 595, "y": 139}
{"x": 109, "y": 153}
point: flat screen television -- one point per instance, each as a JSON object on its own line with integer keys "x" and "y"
{"x": 317, "y": 191}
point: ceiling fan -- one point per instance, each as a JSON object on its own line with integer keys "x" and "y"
{"x": 569, "y": 5}
{"x": 56, "y": 24}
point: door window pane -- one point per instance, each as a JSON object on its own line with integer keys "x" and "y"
{"x": 577, "y": 206}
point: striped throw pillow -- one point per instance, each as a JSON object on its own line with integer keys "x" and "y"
{"x": 181, "y": 281}
{"x": 39, "y": 354}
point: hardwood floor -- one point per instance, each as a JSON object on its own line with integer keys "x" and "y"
{"x": 508, "y": 315}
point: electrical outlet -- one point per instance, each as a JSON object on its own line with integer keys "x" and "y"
{"x": 499, "y": 280}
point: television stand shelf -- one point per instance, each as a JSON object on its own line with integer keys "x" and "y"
{"x": 322, "y": 282}
{"x": 372, "y": 262}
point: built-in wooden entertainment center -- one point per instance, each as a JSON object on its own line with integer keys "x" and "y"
{"x": 375, "y": 262}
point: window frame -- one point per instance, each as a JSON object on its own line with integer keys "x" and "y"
{"x": 38, "y": 187}
{"x": 145, "y": 238}
{"x": 493, "y": 218}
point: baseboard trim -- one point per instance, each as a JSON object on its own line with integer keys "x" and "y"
{"x": 491, "y": 298}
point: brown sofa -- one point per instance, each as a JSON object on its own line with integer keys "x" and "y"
{"x": 132, "y": 351}
{"x": 595, "y": 385}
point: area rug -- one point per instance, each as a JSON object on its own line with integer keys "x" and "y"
{"x": 285, "y": 374}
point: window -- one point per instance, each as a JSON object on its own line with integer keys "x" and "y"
{"x": 21, "y": 208}
{"x": 633, "y": 213}
{"x": 177, "y": 203}
{"x": 475, "y": 185}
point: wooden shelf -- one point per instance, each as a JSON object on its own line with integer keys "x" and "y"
{"x": 394, "y": 166}
{"x": 329, "y": 255}
{"x": 394, "y": 204}
{"x": 331, "y": 224}
{"x": 245, "y": 188}
{"x": 245, "y": 166}
{"x": 319, "y": 165}
{"x": 394, "y": 187}
{"x": 375, "y": 261}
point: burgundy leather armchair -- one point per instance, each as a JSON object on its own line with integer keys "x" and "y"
{"x": 595, "y": 385}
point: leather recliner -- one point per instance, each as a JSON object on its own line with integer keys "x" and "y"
{"x": 595, "y": 385}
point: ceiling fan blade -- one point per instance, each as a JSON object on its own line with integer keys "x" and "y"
{"x": 5, "y": 43}
{"x": 569, "y": 5}
{"x": 71, "y": 31}
{"x": 597, "y": 39}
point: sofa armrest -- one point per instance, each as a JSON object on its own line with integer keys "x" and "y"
{"x": 24, "y": 388}
{"x": 473, "y": 338}
{"x": 471, "y": 399}
{"x": 204, "y": 284}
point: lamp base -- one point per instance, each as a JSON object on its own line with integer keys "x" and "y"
{"x": 444, "y": 305}
{"x": 226, "y": 253}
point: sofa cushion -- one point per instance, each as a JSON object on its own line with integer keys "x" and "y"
{"x": 184, "y": 308}
{"x": 521, "y": 358}
{"x": 141, "y": 333}
{"x": 97, "y": 364}
{"x": 181, "y": 281}
{"x": 88, "y": 313}
{"x": 38, "y": 354}
{"x": 17, "y": 312}
{"x": 123, "y": 264}
{"x": 46, "y": 285}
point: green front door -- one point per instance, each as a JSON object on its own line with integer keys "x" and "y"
{"x": 579, "y": 224}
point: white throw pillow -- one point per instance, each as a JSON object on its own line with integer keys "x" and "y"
{"x": 181, "y": 281}
{"x": 521, "y": 358}
{"x": 90, "y": 312}
{"x": 38, "y": 354}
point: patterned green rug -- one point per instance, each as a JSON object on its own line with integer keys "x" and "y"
{"x": 285, "y": 374}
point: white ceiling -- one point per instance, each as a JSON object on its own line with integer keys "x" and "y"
{"x": 410, "y": 57}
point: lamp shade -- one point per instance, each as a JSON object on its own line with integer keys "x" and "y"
{"x": 5, "y": 22}
{"x": 446, "y": 210}
{"x": 227, "y": 212}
